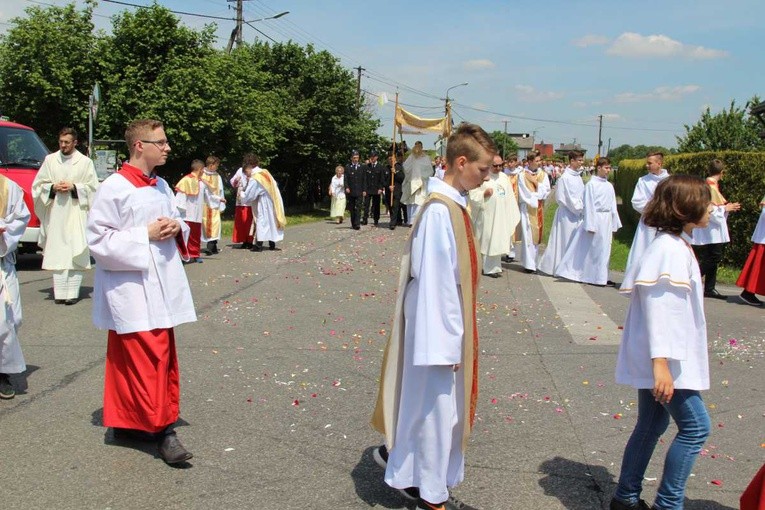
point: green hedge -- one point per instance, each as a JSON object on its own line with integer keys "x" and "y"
{"x": 744, "y": 182}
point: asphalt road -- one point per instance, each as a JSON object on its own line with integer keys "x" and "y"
{"x": 280, "y": 372}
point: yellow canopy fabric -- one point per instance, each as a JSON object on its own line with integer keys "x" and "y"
{"x": 440, "y": 125}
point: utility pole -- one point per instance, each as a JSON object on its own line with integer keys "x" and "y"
{"x": 236, "y": 34}
{"x": 504, "y": 141}
{"x": 600, "y": 131}
{"x": 358, "y": 88}
{"x": 609, "y": 146}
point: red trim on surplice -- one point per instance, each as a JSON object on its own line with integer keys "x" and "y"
{"x": 474, "y": 281}
{"x": 141, "y": 380}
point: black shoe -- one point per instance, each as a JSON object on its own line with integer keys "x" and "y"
{"x": 246, "y": 246}
{"x": 356, "y": 227}
{"x": 69, "y": 302}
{"x": 380, "y": 454}
{"x": 529, "y": 271}
{"x": 363, "y": 222}
{"x": 376, "y": 222}
{"x": 59, "y": 301}
{"x": 715, "y": 295}
{"x": 172, "y": 451}
{"x": 257, "y": 247}
{"x": 6, "y": 388}
{"x": 618, "y": 505}
{"x": 392, "y": 227}
{"x": 450, "y": 504}
{"x": 271, "y": 245}
{"x": 750, "y": 299}
{"x": 508, "y": 258}
{"x": 492, "y": 275}
{"x": 609, "y": 283}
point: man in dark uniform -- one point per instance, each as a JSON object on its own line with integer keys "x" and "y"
{"x": 395, "y": 191}
{"x": 355, "y": 184}
{"x": 373, "y": 189}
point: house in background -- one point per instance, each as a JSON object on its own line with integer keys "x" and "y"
{"x": 525, "y": 143}
{"x": 545, "y": 149}
{"x": 565, "y": 149}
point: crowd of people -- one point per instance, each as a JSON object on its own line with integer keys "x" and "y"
{"x": 466, "y": 211}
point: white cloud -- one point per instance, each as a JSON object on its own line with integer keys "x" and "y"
{"x": 632, "y": 45}
{"x": 614, "y": 117}
{"x": 590, "y": 40}
{"x": 658, "y": 94}
{"x": 531, "y": 95}
{"x": 479, "y": 64}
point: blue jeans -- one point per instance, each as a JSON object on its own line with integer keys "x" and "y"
{"x": 692, "y": 420}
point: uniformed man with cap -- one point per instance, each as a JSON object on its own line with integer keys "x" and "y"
{"x": 355, "y": 186}
{"x": 374, "y": 188}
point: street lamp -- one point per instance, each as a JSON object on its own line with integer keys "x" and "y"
{"x": 236, "y": 34}
{"x": 447, "y": 94}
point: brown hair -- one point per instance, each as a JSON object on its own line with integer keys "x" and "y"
{"x": 197, "y": 164}
{"x": 138, "y": 128}
{"x": 716, "y": 167}
{"x": 512, "y": 157}
{"x": 212, "y": 160}
{"x": 658, "y": 154}
{"x": 575, "y": 155}
{"x": 250, "y": 159}
{"x": 532, "y": 155}
{"x": 677, "y": 201}
{"x": 603, "y": 162}
{"x": 68, "y": 131}
{"x": 468, "y": 140}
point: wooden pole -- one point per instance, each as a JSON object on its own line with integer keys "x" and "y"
{"x": 393, "y": 162}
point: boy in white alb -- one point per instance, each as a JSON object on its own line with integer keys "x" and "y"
{"x": 429, "y": 381}
{"x": 569, "y": 194}
{"x": 640, "y": 197}
{"x": 533, "y": 189}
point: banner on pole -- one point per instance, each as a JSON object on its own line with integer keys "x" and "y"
{"x": 408, "y": 122}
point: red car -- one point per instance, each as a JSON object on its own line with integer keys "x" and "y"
{"x": 21, "y": 154}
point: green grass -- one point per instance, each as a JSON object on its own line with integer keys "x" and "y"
{"x": 620, "y": 249}
{"x": 293, "y": 218}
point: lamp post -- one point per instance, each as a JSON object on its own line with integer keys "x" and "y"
{"x": 446, "y": 108}
{"x": 236, "y": 34}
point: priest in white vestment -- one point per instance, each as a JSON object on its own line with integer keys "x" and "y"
{"x": 263, "y": 195}
{"x": 643, "y": 194}
{"x": 569, "y": 194}
{"x": 533, "y": 189}
{"x": 14, "y": 220}
{"x": 495, "y": 214}
{"x": 589, "y": 253}
{"x": 62, "y": 192}
{"x": 414, "y": 189}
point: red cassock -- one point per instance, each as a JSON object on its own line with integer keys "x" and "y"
{"x": 195, "y": 237}
{"x": 141, "y": 381}
{"x": 242, "y": 224}
{"x": 753, "y": 497}
{"x": 752, "y": 277}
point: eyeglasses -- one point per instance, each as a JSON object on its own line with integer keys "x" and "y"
{"x": 497, "y": 166}
{"x": 160, "y": 144}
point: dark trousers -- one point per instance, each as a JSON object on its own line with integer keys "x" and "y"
{"x": 395, "y": 211}
{"x": 374, "y": 200}
{"x": 709, "y": 257}
{"x": 354, "y": 205}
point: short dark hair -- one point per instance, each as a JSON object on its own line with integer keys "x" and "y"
{"x": 658, "y": 154}
{"x": 212, "y": 160}
{"x": 575, "y": 155}
{"x": 139, "y": 128}
{"x": 468, "y": 140}
{"x": 532, "y": 155}
{"x": 197, "y": 163}
{"x": 250, "y": 159}
{"x": 677, "y": 201}
{"x": 68, "y": 131}
{"x": 716, "y": 167}
{"x": 603, "y": 162}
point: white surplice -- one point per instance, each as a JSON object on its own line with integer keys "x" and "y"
{"x": 643, "y": 194}
{"x": 414, "y": 189}
{"x": 428, "y": 452}
{"x": 569, "y": 194}
{"x": 62, "y": 218}
{"x": 266, "y": 227}
{"x": 14, "y": 220}
{"x": 717, "y": 230}
{"x": 494, "y": 219}
{"x": 529, "y": 198}
{"x": 140, "y": 285}
{"x": 665, "y": 318}
{"x": 191, "y": 207}
{"x": 587, "y": 257}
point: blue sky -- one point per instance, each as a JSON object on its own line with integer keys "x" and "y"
{"x": 552, "y": 67}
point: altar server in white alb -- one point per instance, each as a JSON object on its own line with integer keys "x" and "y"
{"x": 191, "y": 194}
{"x": 494, "y": 212}
{"x": 263, "y": 195}
{"x": 709, "y": 242}
{"x": 62, "y": 192}
{"x": 643, "y": 194}
{"x": 533, "y": 189}
{"x": 417, "y": 172}
{"x": 429, "y": 381}
{"x": 663, "y": 352}
{"x": 13, "y": 222}
{"x": 569, "y": 194}
{"x": 141, "y": 292}
{"x": 588, "y": 255}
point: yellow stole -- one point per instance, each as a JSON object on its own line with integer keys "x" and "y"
{"x": 211, "y": 217}
{"x": 714, "y": 187}
{"x": 266, "y": 180}
{"x": 536, "y": 215}
{"x": 188, "y": 185}
{"x": 385, "y": 415}
{"x": 3, "y": 194}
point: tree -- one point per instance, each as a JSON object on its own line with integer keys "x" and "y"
{"x": 637, "y": 152}
{"x": 504, "y": 142}
{"x": 46, "y": 69}
{"x": 732, "y": 129}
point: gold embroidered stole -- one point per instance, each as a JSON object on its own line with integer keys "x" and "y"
{"x": 266, "y": 180}
{"x": 3, "y": 194}
{"x": 385, "y": 416}
{"x": 714, "y": 188}
{"x": 536, "y": 214}
{"x": 188, "y": 185}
